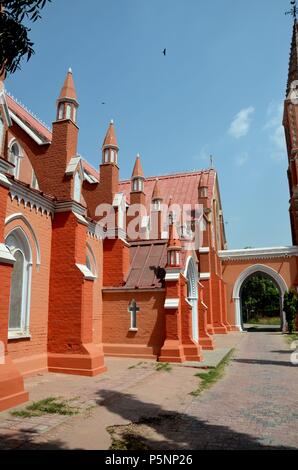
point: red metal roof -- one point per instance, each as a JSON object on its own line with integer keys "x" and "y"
{"x": 148, "y": 260}
{"x": 34, "y": 124}
{"x": 182, "y": 187}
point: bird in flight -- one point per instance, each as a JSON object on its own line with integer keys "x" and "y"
{"x": 103, "y": 102}
{"x": 164, "y": 51}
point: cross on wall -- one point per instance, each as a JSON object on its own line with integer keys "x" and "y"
{"x": 133, "y": 309}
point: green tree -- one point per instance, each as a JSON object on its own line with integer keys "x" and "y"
{"x": 15, "y": 43}
{"x": 260, "y": 297}
{"x": 290, "y": 309}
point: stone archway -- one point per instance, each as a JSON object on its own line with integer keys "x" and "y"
{"x": 248, "y": 272}
{"x": 193, "y": 295}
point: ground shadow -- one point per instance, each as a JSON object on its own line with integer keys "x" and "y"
{"x": 173, "y": 430}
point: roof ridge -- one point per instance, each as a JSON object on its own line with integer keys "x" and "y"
{"x": 174, "y": 175}
{"x": 19, "y": 103}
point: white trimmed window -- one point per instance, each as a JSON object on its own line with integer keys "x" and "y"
{"x": 106, "y": 156}
{"x": 15, "y": 156}
{"x": 157, "y": 204}
{"x": 20, "y": 291}
{"x": 77, "y": 187}
{"x": 137, "y": 184}
{"x": 61, "y": 111}
{"x": 68, "y": 111}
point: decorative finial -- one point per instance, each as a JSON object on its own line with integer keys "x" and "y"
{"x": 112, "y": 121}
{"x": 70, "y": 70}
{"x": 211, "y": 161}
{"x": 293, "y": 12}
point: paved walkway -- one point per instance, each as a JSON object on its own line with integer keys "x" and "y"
{"x": 253, "y": 406}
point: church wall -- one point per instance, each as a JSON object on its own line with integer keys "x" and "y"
{"x": 148, "y": 340}
{"x": 30, "y": 354}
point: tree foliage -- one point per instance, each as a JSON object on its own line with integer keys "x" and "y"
{"x": 260, "y": 297}
{"x": 15, "y": 43}
{"x": 290, "y": 309}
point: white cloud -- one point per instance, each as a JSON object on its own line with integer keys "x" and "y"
{"x": 276, "y": 131}
{"x": 203, "y": 154}
{"x": 241, "y": 159}
{"x": 241, "y": 123}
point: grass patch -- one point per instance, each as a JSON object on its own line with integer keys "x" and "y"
{"x": 163, "y": 367}
{"x": 136, "y": 365}
{"x": 51, "y": 405}
{"x": 127, "y": 440}
{"x": 291, "y": 338}
{"x": 264, "y": 321}
{"x": 212, "y": 376}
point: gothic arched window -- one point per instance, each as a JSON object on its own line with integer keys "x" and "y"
{"x": 77, "y": 187}
{"x": 20, "y": 290}
{"x": 15, "y": 156}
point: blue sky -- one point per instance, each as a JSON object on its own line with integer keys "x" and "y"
{"x": 219, "y": 90}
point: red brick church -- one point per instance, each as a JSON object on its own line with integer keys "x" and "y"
{"x": 92, "y": 266}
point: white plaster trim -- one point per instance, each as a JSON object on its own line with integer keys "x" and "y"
{"x": 19, "y": 334}
{"x": 171, "y": 304}
{"x": 188, "y": 261}
{"x": 95, "y": 230}
{"x": 205, "y": 276}
{"x": 172, "y": 276}
{"x": 20, "y": 216}
{"x": 5, "y": 255}
{"x": 67, "y": 206}
{"x": 86, "y": 272}
{"x": 259, "y": 253}
{"x": 204, "y": 305}
{"x": 90, "y": 178}
{"x": 4, "y": 181}
{"x": 118, "y": 199}
{"x": 81, "y": 219}
{"x": 257, "y": 268}
{"x": 25, "y": 128}
{"x": 133, "y": 329}
{"x": 72, "y": 166}
{"x": 31, "y": 198}
{"x": 5, "y": 165}
{"x": 6, "y": 110}
{"x": 204, "y": 249}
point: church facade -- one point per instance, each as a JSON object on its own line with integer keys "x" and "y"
{"x": 92, "y": 266}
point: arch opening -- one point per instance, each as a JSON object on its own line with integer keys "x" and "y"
{"x": 261, "y": 303}
{"x": 265, "y": 272}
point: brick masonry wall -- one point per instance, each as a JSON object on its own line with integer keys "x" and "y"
{"x": 150, "y": 319}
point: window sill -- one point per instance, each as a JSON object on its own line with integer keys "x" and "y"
{"x": 19, "y": 335}
{"x": 133, "y": 329}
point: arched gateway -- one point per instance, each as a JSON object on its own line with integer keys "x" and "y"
{"x": 279, "y": 264}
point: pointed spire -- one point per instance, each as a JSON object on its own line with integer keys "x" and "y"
{"x": 174, "y": 242}
{"x": 68, "y": 91}
{"x": 110, "y": 138}
{"x": 156, "y": 195}
{"x": 137, "y": 170}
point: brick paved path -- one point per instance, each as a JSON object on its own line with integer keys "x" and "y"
{"x": 255, "y": 404}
